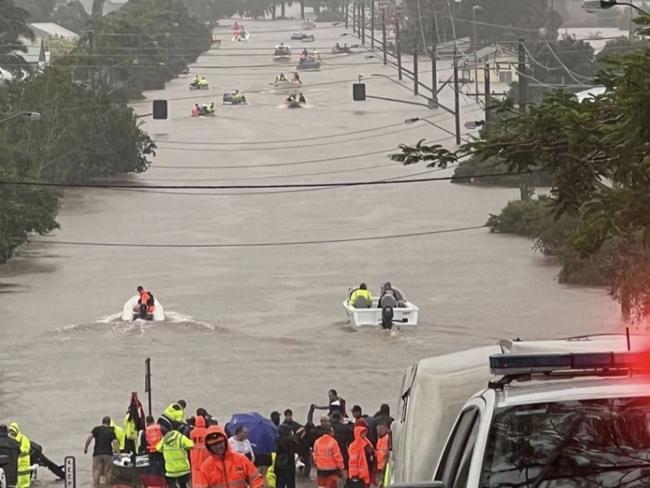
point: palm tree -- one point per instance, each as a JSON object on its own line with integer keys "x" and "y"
{"x": 13, "y": 28}
{"x": 97, "y": 9}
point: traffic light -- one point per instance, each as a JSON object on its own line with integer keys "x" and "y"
{"x": 359, "y": 92}
{"x": 160, "y": 109}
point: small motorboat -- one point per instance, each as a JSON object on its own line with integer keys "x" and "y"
{"x": 282, "y": 54}
{"x": 131, "y": 311}
{"x": 301, "y": 36}
{"x": 309, "y": 64}
{"x": 341, "y": 50}
{"x": 285, "y": 86}
{"x": 241, "y": 35}
{"x": 406, "y": 316}
{"x": 234, "y": 98}
{"x": 295, "y": 104}
{"x": 125, "y": 472}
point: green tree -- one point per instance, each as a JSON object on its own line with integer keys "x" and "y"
{"x": 72, "y": 16}
{"x": 598, "y": 153}
{"x": 13, "y": 27}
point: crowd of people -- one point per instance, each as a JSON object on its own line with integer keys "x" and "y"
{"x": 196, "y": 451}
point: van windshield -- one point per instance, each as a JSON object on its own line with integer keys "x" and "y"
{"x": 604, "y": 443}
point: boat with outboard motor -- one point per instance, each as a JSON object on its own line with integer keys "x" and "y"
{"x": 301, "y": 36}
{"x": 131, "y": 311}
{"x": 234, "y": 98}
{"x": 199, "y": 86}
{"x": 310, "y": 63}
{"x": 404, "y": 314}
{"x": 241, "y": 35}
{"x": 337, "y": 49}
{"x": 282, "y": 53}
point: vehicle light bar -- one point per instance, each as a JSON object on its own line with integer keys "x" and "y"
{"x": 511, "y": 364}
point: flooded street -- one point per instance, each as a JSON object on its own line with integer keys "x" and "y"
{"x": 255, "y": 324}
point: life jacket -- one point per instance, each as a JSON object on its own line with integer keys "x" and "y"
{"x": 234, "y": 470}
{"x": 359, "y": 293}
{"x": 119, "y": 435}
{"x": 199, "y": 452}
{"x": 144, "y": 297}
{"x": 327, "y": 454}
{"x": 358, "y": 466}
{"x": 153, "y": 435}
{"x": 174, "y": 447}
{"x": 382, "y": 452}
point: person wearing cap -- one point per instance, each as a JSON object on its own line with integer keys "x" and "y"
{"x": 388, "y": 290}
{"x": 175, "y": 447}
{"x": 224, "y": 467}
{"x": 105, "y": 446}
{"x": 172, "y": 416}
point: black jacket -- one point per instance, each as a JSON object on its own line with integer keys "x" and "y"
{"x": 11, "y": 448}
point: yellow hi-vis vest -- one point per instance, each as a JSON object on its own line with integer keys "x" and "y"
{"x": 174, "y": 447}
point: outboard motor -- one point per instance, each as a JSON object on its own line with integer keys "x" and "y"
{"x": 387, "y": 304}
{"x": 4, "y": 460}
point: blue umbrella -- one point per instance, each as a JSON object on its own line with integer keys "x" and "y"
{"x": 261, "y": 431}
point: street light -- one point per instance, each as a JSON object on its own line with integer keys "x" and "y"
{"x": 32, "y": 116}
{"x": 413, "y": 120}
{"x": 475, "y": 8}
{"x": 594, "y": 6}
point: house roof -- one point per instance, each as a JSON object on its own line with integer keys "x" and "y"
{"x": 487, "y": 53}
{"x": 50, "y": 29}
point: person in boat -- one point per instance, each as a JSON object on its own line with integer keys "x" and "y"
{"x": 301, "y": 98}
{"x": 203, "y": 82}
{"x": 282, "y": 77}
{"x": 196, "y": 80}
{"x": 291, "y": 98}
{"x": 196, "y": 110}
{"x": 211, "y": 108}
{"x": 296, "y": 78}
{"x": 360, "y": 297}
{"x": 146, "y": 303}
{"x": 388, "y": 290}
{"x": 337, "y": 47}
{"x": 304, "y": 54}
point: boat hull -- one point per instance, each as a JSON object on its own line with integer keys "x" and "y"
{"x": 402, "y": 316}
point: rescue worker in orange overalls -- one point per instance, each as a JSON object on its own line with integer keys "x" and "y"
{"x": 361, "y": 465}
{"x": 382, "y": 449}
{"x": 328, "y": 459}
{"x": 153, "y": 435}
{"x": 199, "y": 453}
{"x": 224, "y": 467}
{"x": 146, "y": 304}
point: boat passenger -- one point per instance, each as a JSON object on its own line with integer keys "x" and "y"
{"x": 291, "y": 98}
{"x": 196, "y": 110}
{"x": 360, "y": 297}
{"x": 282, "y": 77}
{"x": 304, "y": 54}
{"x": 146, "y": 303}
{"x": 301, "y": 98}
{"x": 296, "y": 78}
{"x": 203, "y": 81}
{"x": 196, "y": 80}
{"x": 240, "y": 443}
{"x": 337, "y": 47}
{"x": 388, "y": 290}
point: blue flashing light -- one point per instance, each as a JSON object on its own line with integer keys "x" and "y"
{"x": 509, "y": 364}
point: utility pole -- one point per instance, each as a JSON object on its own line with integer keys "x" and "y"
{"x": 486, "y": 76}
{"x": 456, "y": 97}
{"x": 522, "y": 80}
{"x": 372, "y": 25}
{"x": 354, "y": 16}
{"x": 383, "y": 34}
{"x": 416, "y": 87}
{"x": 347, "y": 14}
{"x": 522, "y": 83}
{"x": 362, "y": 18}
{"x": 398, "y": 47}
{"x": 434, "y": 55}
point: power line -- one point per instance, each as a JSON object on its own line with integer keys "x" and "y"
{"x": 262, "y": 244}
{"x": 256, "y": 187}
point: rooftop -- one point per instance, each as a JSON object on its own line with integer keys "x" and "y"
{"x": 50, "y": 29}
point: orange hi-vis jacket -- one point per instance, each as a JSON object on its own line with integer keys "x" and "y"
{"x": 153, "y": 435}
{"x": 234, "y": 470}
{"x": 199, "y": 452}
{"x": 358, "y": 463}
{"x": 382, "y": 452}
{"x": 327, "y": 454}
